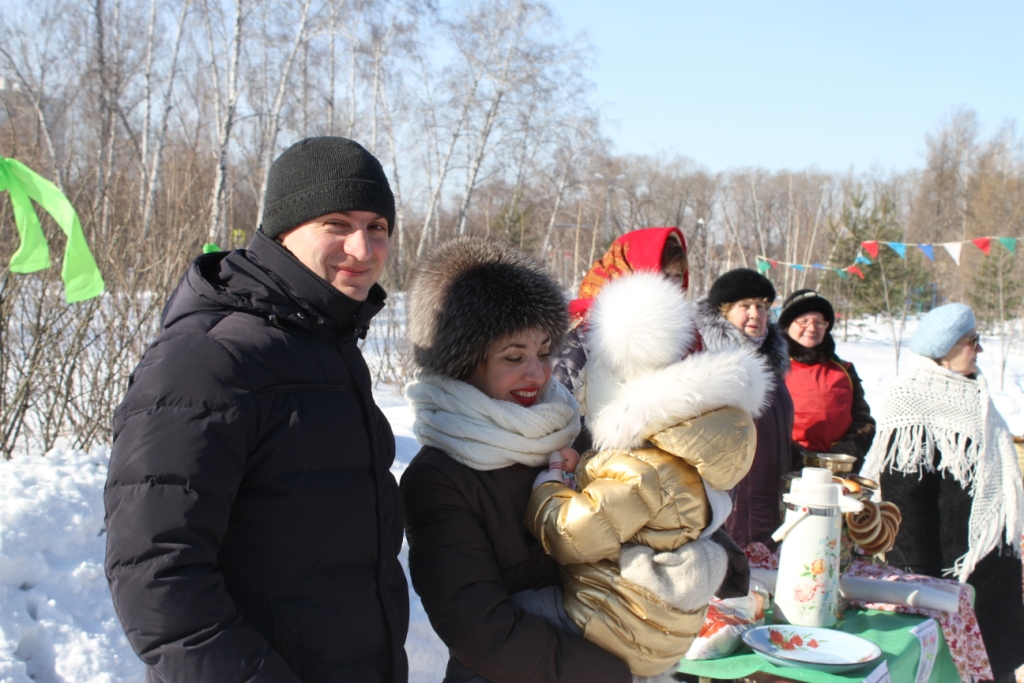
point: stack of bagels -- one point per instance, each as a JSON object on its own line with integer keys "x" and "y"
{"x": 875, "y": 527}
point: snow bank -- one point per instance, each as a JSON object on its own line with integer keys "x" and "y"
{"x": 57, "y": 622}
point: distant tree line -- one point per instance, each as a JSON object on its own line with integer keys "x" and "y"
{"x": 159, "y": 119}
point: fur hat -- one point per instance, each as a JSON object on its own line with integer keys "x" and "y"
{"x": 318, "y": 176}
{"x": 471, "y": 291}
{"x": 739, "y": 284}
{"x": 805, "y": 301}
{"x": 940, "y": 329}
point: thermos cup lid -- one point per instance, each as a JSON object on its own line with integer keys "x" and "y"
{"x": 814, "y": 489}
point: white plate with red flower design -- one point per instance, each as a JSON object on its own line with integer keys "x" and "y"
{"x": 822, "y": 649}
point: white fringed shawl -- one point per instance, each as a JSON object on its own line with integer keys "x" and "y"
{"x": 486, "y": 434}
{"x": 929, "y": 407}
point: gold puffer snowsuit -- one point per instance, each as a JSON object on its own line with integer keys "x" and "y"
{"x": 651, "y": 495}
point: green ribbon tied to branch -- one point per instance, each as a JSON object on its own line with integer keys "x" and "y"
{"x": 82, "y": 279}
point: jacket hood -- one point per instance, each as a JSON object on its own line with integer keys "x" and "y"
{"x": 267, "y": 280}
{"x": 637, "y": 381}
{"x": 719, "y": 334}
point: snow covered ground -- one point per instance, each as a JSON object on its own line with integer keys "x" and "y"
{"x": 57, "y": 623}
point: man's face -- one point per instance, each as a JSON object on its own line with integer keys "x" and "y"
{"x": 348, "y": 249}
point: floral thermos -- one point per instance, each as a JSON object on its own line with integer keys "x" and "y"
{"x": 807, "y": 589}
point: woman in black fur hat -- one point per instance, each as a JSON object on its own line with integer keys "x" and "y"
{"x": 830, "y": 412}
{"x": 484, "y": 320}
{"x": 736, "y": 313}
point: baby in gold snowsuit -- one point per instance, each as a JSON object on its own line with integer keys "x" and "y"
{"x": 671, "y": 437}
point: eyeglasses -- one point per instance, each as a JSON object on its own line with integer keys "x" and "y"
{"x": 809, "y": 322}
{"x": 974, "y": 341}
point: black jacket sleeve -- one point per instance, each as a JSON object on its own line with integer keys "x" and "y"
{"x": 180, "y": 441}
{"x": 737, "y": 575}
{"x": 455, "y": 572}
{"x": 861, "y": 433}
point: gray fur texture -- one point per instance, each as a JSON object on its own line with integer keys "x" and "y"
{"x": 471, "y": 291}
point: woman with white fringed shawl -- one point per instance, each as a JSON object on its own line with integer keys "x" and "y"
{"x": 945, "y": 456}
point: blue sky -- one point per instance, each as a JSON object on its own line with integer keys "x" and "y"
{"x": 782, "y": 84}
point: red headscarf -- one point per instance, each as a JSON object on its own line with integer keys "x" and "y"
{"x": 637, "y": 250}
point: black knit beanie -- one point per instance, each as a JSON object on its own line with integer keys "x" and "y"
{"x": 805, "y": 301}
{"x": 318, "y": 176}
{"x": 739, "y": 284}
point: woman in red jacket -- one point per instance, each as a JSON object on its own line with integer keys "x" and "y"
{"x": 830, "y": 413}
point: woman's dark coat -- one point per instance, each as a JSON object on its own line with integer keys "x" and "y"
{"x": 933, "y": 534}
{"x": 253, "y": 523}
{"x": 468, "y": 552}
{"x": 756, "y": 499}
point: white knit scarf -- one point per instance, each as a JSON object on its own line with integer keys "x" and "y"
{"x": 929, "y": 407}
{"x": 486, "y": 434}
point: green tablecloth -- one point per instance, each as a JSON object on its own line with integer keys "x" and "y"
{"x": 888, "y": 630}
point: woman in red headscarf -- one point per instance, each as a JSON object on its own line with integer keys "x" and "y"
{"x": 662, "y": 250}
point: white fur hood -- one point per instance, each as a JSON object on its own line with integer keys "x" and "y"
{"x": 636, "y": 386}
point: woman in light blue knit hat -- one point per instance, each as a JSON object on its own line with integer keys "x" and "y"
{"x": 943, "y": 336}
{"x": 945, "y": 456}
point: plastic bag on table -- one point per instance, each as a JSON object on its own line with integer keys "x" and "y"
{"x": 725, "y": 622}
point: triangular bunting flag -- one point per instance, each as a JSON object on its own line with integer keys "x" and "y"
{"x": 861, "y": 258}
{"x": 1010, "y": 243}
{"x": 927, "y": 250}
{"x": 856, "y": 271}
{"x": 954, "y": 250}
{"x": 871, "y": 247}
{"x": 842, "y": 273}
{"x": 818, "y": 265}
{"x": 899, "y": 248}
{"x": 763, "y": 266}
{"x": 796, "y": 266}
{"x": 983, "y": 243}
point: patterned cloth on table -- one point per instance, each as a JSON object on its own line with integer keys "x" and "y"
{"x": 960, "y": 629}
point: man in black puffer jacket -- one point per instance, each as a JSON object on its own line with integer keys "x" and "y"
{"x": 253, "y": 523}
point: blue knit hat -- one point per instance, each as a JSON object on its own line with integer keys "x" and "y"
{"x": 940, "y": 329}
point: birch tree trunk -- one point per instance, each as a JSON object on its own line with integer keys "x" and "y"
{"x": 274, "y": 115}
{"x": 226, "y": 112}
{"x": 151, "y": 163}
